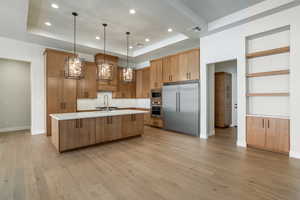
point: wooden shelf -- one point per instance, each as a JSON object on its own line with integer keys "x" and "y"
{"x": 267, "y": 94}
{"x": 270, "y": 73}
{"x": 268, "y": 52}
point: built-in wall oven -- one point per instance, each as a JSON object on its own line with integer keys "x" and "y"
{"x": 156, "y": 103}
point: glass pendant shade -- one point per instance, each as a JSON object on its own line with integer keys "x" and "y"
{"x": 105, "y": 71}
{"x": 74, "y": 67}
{"x": 128, "y": 74}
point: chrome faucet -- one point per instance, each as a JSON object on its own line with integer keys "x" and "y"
{"x": 106, "y": 102}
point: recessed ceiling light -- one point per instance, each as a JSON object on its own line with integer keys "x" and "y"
{"x": 97, "y": 38}
{"x": 48, "y": 24}
{"x": 54, "y": 5}
{"x": 132, "y": 11}
{"x": 130, "y": 47}
{"x": 170, "y": 30}
{"x": 147, "y": 40}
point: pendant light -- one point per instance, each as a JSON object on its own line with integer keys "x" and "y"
{"x": 74, "y": 66}
{"x": 104, "y": 69}
{"x": 128, "y": 73}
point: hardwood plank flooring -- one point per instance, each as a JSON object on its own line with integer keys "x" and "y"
{"x": 161, "y": 165}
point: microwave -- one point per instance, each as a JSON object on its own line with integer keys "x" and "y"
{"x": 156, "y": 94}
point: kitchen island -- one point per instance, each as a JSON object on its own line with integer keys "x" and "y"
{"x": 75, "y": 130}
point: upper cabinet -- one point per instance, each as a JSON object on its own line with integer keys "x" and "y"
{"x": 87, "y": 87}
{"x": 189, "y": 65}
{"x": 143, "y": 83}
{"x": 108, "y": 85}
{"x": 124, "y": 89}
{"x": 184, "y": 66}
{"x": 156, "y": 73}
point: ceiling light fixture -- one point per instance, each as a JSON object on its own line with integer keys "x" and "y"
{"x": 147, "y": 40}
{"x": 104, "y": 69}
{"x": 132, "y": 11}
{"x": 128, "y": 73}
{"x": 74, "y": 66}
{"x": 48, "y": 24}
{"x": 54, "y": 6}
{"x": 97, "y": 38}
{"x": 130, "y": 47}
{"x": 170, "y": 30}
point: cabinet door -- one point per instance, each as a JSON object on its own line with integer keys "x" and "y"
{"x": 55, "y": 62}
{"x": 138, "y": 124}
{"x": 256, "y": 131}
{"x": 156, "y": 74}
{"x": 87, "y": 132}
{"x": 69, "y": 95}
{"x": 146, "y": 83}
{"x": 110, "y": 85}
{"x": 193, "y": 64}
{"x": 167, "y": 70}
{"x": 183, "y": 67}
{"x": 159, "y": 74}
{"x": 69, "y": 135}
{"x": 153, "y": 75}
{"x": 277, "y": 135}
{"x": 127, "y": 125}
{"x": 113, "y": 128}
{"x": 139, "y": 83}
{"x": 87, "y": 87}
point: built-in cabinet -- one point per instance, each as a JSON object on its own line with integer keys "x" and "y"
{"x": 223, "y": 99}
{"x": 88, "y": 86}
{"x": 77, "y": 133}
{"x": 268, "y": 101}
{"x": 143, "y": 83}
{"x": 171, "y": 69}
{"x": 108, "y": 85}
{"x": 268, "y": 133}
{"x": 61, "y": 94}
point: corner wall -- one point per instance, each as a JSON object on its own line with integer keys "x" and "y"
{"x": 231, "y": 44}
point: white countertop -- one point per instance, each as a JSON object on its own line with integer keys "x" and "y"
{"x": 83, "y": 115}
{"x": 268, "y": 116}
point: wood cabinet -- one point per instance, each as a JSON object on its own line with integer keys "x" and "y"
{"x": 108, "y": 85}
{"x": 156, "y": 74}
{"x": 125, "y": 89}
{"x": 223, "y": 99}
{"x": 189, "y": 65}
{"x": 143, "y": 83}
{"x": 76, "y": 133}
{"x": 132, "y": 125}
{"x": 108, "y": 128}
{"x": 151, "y": 121}
{"x": 171, "y": 69}
{"x": 87, "y": 87}
{"x": 61, "y": 94}
{"x": 268, "y": 133}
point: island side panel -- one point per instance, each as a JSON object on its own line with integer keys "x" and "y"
{"x": 55, "y": 133}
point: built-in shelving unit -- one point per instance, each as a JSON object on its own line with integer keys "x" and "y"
{"x": 267, "y": 73}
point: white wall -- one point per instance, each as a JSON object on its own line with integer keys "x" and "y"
{"x": 230, "y": 67}
{"x": 32, "y": 53}
{"x": 15, "y": 95}
{"x": 230, "y": 45}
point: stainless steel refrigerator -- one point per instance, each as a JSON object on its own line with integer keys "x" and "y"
{"x": 181, "y": 108}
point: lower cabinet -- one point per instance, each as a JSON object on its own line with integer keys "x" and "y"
{"x": 76, "y": 133}
{"x": 132, "y": 125}
{"x": 72, "y": 134}
{"x": 108, "y": 128}
{"x": 271, "y": 134}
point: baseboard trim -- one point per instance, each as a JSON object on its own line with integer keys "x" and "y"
{"x": 18, "y": 128}
{"x": 294, "y": 154}
{"x": 241, "y": 144}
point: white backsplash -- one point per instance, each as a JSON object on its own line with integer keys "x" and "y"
{"x": 91, "y": 104}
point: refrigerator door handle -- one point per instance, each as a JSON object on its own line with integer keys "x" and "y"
{"x": 178, "y": 101}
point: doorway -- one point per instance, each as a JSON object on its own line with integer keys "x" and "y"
{"x": 15, "y": 102}
{"x": 222, "y": 94}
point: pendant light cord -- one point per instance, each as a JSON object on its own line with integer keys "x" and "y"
{"x": 127, "y": 33}
{"x": 104, "y": 50}
{"x": 74, "y": 14}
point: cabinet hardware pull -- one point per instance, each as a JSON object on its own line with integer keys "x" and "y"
{"x": 75, "y": 123}
{"x": 80, "y": 120}
{"x": 187, "y": 75}
{"x": 268, "y": 123}
{"x": 171, "y": 77}
{"x": 61, "y": 105}
{"x": 263, "y": 123}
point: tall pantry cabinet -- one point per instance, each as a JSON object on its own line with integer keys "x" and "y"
{"x": 61, "y": 92}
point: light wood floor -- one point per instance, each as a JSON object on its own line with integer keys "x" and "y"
{"x": 159, "y": 165}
